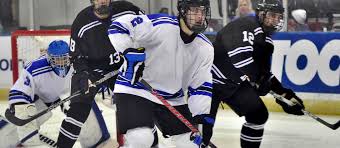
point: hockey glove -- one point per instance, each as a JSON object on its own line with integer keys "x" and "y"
{"x": 296, "y": 109}
{"x": 65, "y": 107}
{"x": 205, "y": 125}
{"x": 83, "y": 80}
{"x": 263, "y": 86}
{"x": 134, "y": 65}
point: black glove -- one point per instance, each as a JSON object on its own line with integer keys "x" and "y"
{"x": 296, "y": 109}
{"x": 263, "y": 86}
{"x": 83, "y": 79}
{"x": 65, "y": 107}
{"x": 205, "y": 125}
{"x": 134, "y": 66}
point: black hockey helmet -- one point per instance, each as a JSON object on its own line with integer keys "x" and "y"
{"x": 270, "y": 5}
{"x": 101, "y": 9}
{"x": 183, "y": 7}
{"x": 271, "y": 9}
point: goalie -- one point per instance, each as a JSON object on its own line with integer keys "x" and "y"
{"x": 43, "y": 82}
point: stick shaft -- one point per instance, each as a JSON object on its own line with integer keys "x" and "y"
{"x": 173, "y": 110}
{"x": 290, "y": 103}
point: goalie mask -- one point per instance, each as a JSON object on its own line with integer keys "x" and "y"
{"x": 101, "y": 7}
{"x": 270, "y": 13}
{"x": 195, "y": 13}
{"x": 58, "y": 57}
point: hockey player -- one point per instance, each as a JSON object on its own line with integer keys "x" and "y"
{"x": 92, "y": 56}
{"x": 43, "y": 82}
{"x": 241, "y": 70}
{"x": 177, "y": 58}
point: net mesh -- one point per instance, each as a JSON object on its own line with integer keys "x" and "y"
{"x": 31, "y": 46}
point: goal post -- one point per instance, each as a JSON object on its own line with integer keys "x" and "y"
{"x": 29, "y": 45}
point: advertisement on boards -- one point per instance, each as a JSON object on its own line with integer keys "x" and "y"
{"x": 5, "y": 62}
{"x": 308, "y": 62}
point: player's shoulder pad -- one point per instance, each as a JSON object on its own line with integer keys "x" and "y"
{"x": 206, "y": 46}
{"x": 158, "y": 19}
{"x": 155, "y": 17}
{"x": 204, "y": 38}
{"x": 129, "y": 22}
{"x": 84, "y": 18}
{"x": 248, "y": 22}
{"x": 38, "y": 66}
{"x": 84, "y": 15}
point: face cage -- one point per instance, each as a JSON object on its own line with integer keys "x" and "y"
{"x": 60, "y": 63}
{"x": 276, "y": 27}
{"x": 190, "y": 19}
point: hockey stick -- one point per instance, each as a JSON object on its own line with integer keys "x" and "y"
{"x": 173, "y": 110}
{"x": 290, "y": 103}
{"x": 42, "y": 138}
{"x": 20, "y": 122}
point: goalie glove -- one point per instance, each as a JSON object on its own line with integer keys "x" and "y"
{"x": 134, "y": 66}
{"x": 295, "y": 109}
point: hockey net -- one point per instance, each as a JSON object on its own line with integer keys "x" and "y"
{"x": 30, "y": 45}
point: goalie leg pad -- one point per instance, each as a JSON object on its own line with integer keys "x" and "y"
{"x": 138, "y": 137}
{"x": 94, "y": 130}
{"x": 9, "y": 135}
{"x": 183, "y": 141}
{"x": 72, "y": 124}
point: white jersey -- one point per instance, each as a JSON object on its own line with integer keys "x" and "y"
{"x": 39, "y": 79}
{"x": 171, "y": 66}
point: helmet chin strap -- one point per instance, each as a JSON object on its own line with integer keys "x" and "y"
{"x": 184, "y": 27}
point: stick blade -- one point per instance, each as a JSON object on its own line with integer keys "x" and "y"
{"x": 336, "y": 125}
{"x": 13, "y": 119}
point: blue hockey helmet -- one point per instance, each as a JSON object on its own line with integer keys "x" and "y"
{"x": 190, "y": 10}
{"x": 58, "y": 57}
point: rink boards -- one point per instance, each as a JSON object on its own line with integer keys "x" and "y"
{"x": 306, "y": 62}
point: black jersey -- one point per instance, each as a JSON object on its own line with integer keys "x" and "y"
{"x": 242, "y": 50}
{"x": 90, "y": 46}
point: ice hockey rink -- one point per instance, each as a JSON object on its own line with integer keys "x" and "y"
{"x": 281, "y": 131}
